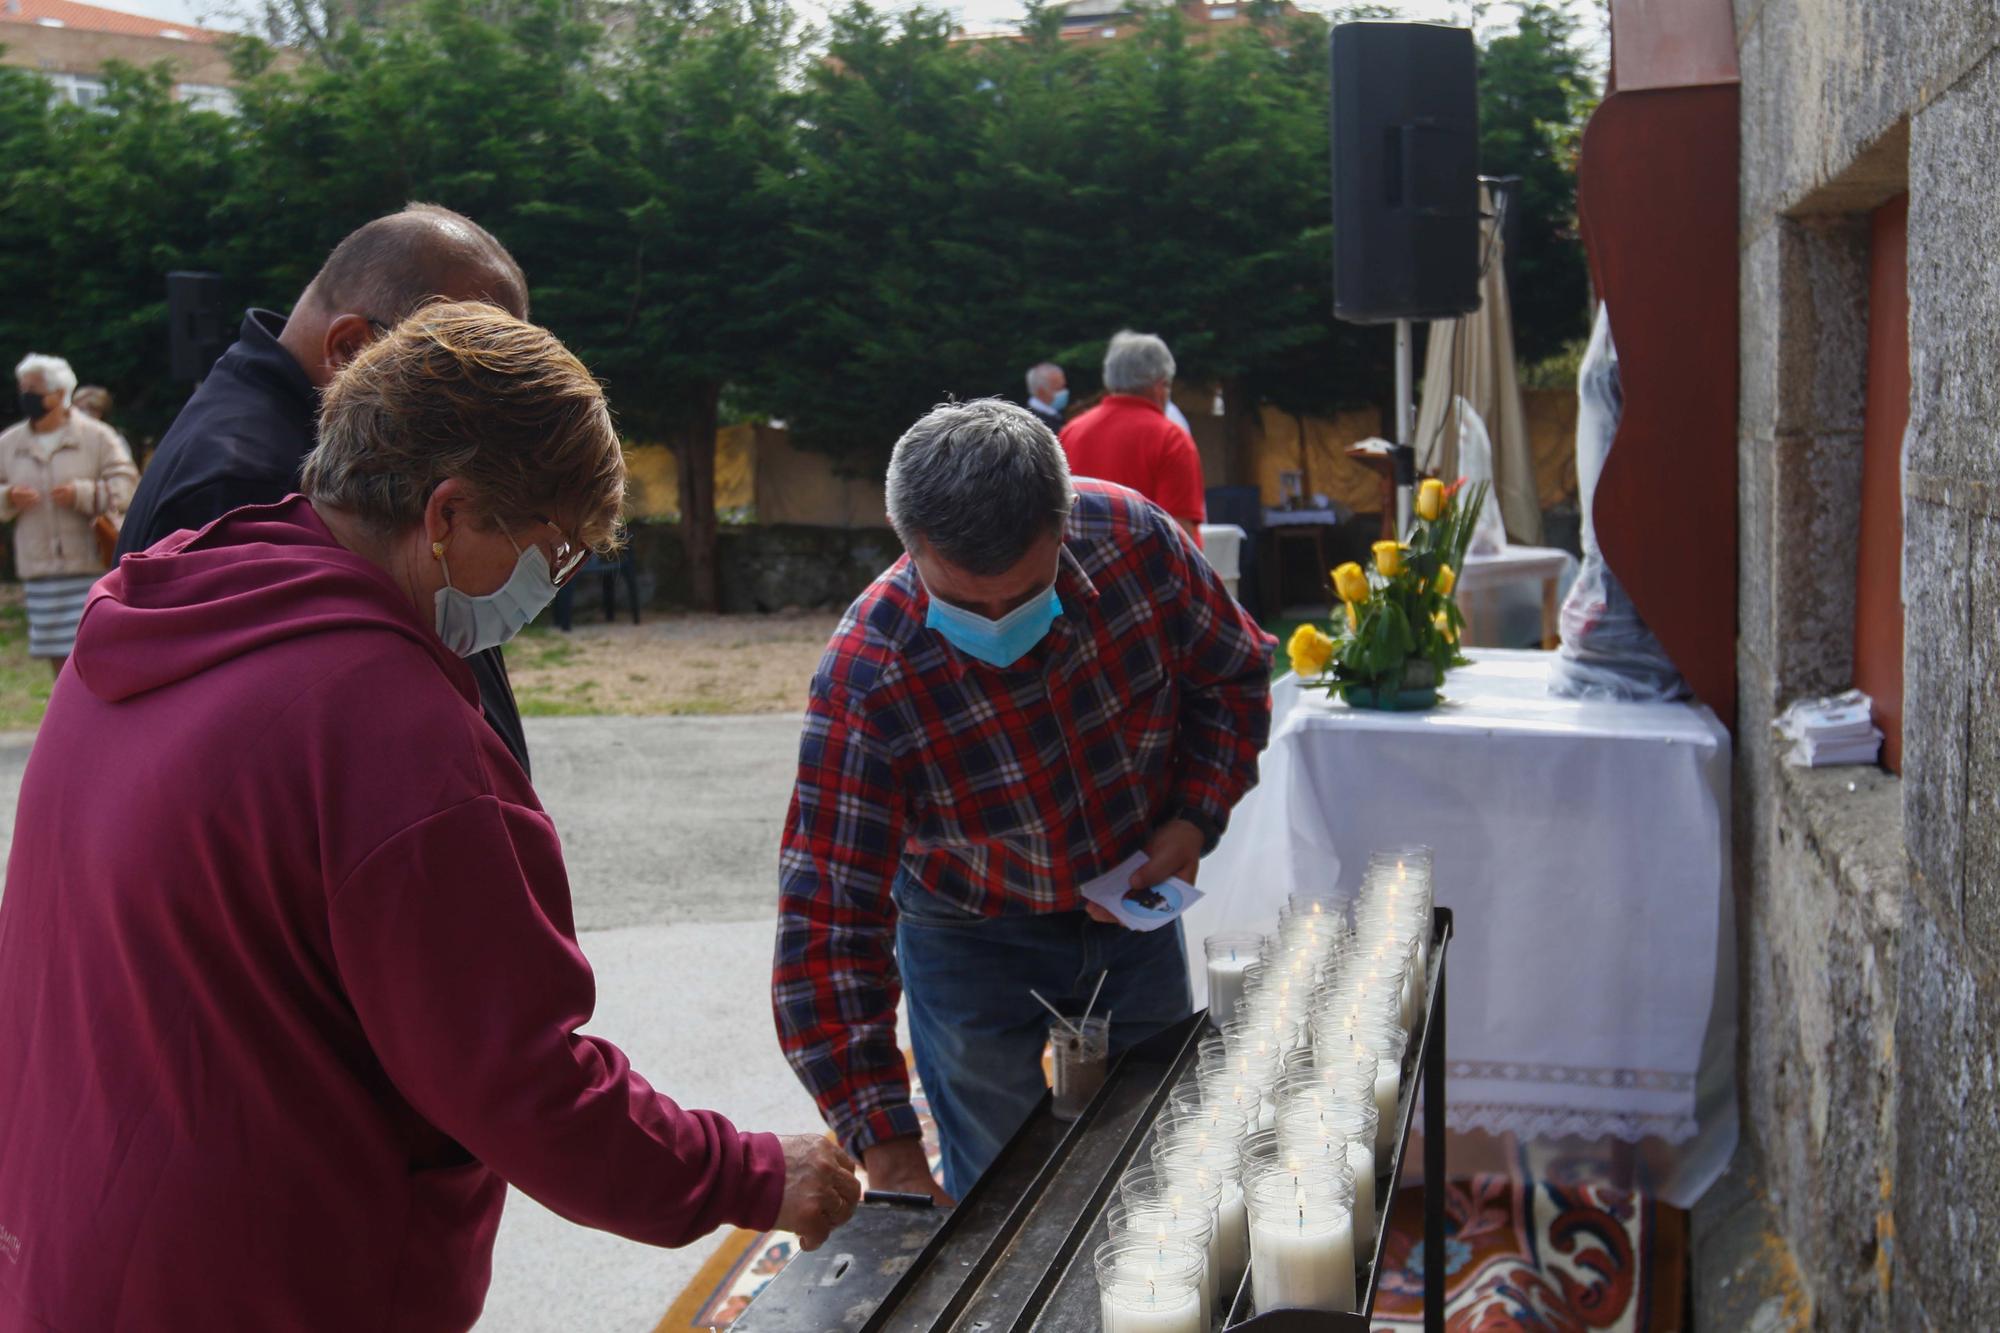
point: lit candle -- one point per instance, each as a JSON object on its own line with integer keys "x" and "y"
{"x": 1229, "y": 957}
{"x": 1206, "y": 1167}
{"x": 1148, "y": 1287}
{"x": 1170, "y": 1311}
{"x": 1301, "y": 1257}
{"x": 1388, "y": 1086}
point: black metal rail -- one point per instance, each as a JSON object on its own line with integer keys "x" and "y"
{"x": 1015, "y": 1255}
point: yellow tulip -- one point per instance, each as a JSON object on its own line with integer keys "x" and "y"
{"x": 1430, "y": 499}
{"x": 1310, "y": 650}
{"x": 1350, "y": 583}
{"x": 1447, "y": 580}
{"x": 1443, "y": 623}
{"x": 1388, "y": 559}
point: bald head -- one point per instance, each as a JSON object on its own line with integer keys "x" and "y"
{"x": 387, "y": 269}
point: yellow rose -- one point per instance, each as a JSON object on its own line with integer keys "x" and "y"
{"x": 1388, "y": 559}
{"x": 1310, "y": 650}
{"x": 1350, "y": 583}
{"x": 1446, "y": 580}
{"x": 1353, "y": 620}
{"x": 1430, "y": 499}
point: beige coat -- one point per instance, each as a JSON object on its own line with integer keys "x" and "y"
{"x": 51, "y": 541}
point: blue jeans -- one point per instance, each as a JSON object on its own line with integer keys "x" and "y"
{"x": 978, "y": 1034}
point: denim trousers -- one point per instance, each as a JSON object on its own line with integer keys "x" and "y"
{"x": 978, "y": 1034}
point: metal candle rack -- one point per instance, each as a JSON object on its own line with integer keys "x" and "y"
{"x": 1015, "y": 1255}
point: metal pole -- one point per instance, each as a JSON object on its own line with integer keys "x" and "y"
{"x": 1434, "y": 1297}
{"x": 1406, "y": 453}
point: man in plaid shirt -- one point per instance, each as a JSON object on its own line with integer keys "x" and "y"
{"x": 1051, "y": 680}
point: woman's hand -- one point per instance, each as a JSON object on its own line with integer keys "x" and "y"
{"x": 820, "y": 1188}
{"x": 23, "y": 498}
{"x": 64, "y": 495}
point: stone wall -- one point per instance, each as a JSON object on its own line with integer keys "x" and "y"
{"x": 1870, "y": 912}
{"x": 769, "y": 567}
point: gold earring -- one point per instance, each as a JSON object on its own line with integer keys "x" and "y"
{"x": 437, "y": 550}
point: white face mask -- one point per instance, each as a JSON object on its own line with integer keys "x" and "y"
{"x": 470, "y": 624}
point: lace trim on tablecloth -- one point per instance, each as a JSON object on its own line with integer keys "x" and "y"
{"x": 1561, "y": 1122}
{"x": 1643, "y": 1080}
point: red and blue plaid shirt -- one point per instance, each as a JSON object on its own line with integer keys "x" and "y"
{"x": 1001, "y": 791}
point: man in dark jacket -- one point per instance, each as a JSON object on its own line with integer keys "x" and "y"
{"x": 241, "y": 438}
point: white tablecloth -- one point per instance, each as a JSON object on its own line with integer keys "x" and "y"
{"x": 1515, "y": 564}
{"x": 1584, "y": 848}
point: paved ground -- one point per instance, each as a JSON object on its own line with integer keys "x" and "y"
{"x": 670, "y": 829}
{"x": 670, "y": 826}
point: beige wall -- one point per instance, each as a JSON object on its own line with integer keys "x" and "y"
{"x": 757, "y": 468}
{"x": 1551, "y": 417}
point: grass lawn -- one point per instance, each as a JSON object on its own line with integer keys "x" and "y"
{"x": 24, "y": 682}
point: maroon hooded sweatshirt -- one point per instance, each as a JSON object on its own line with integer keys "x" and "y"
{"x": 288, "y": 980}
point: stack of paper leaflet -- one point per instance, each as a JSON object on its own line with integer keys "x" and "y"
{"x": 1835, "y": 730}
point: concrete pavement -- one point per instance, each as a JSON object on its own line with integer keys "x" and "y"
{"x": 670, "y": 830}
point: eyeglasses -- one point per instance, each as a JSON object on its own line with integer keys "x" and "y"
{"x": 566, "y": 557}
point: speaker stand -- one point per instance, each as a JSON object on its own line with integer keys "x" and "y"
{"x": 1406, "y": 452}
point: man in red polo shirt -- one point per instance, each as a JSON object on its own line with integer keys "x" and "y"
{"x": 1127, "y": 438}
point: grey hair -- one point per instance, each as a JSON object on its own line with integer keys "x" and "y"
{"x": 978, "y": 483}
{"x": 1038, "y": 375}
{"x": 1136, "y": 361}
{"x": 56, "y": 374}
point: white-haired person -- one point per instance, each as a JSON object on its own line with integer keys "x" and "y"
{"x": 1128, "y": 438}
{"x": 60, "y": 470}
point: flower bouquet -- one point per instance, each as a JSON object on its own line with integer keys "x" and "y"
{"x": 1397, "y": 630}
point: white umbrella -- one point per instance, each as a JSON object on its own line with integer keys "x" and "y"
{"x": 1472, "y": 357}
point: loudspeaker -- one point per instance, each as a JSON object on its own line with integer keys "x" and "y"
{"x": 197, "y": 323}
{"x": 1405, "y": 172}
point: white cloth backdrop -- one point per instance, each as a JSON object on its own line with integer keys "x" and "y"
{"x": 1584, "y": 849}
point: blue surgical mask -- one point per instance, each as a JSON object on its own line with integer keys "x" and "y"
{"x": 470, "y": 624}
{"x": 1001, "y": 642}
{"x": 1061, "y": 400}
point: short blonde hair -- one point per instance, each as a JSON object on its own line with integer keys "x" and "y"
{"x": 467, "y": 391}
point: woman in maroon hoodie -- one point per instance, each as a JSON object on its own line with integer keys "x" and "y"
{"x": 288, "y": 981}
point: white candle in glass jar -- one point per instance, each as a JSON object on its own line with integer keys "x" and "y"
{"x": 1388, "y": 1084}
{"x": 1225, "y": 987}
{"x": 1175, "y": 1311}
{"x": 1361, "y": 1159}
{"x": 1232, "y": 1229}
{"x": 1150, "y": 1287}
{"x": 1304, "y": 1264}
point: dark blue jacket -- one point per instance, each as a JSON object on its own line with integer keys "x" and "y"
{"x": 240, "y": 441}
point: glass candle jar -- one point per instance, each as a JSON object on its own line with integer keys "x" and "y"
{"x": 1302, "y": 1238}
{"x": 1343, "y": 1128}
{"x": 1149, "y": 1285}
{"x": 1080, "y": 1059}
{"x": 1159, "y": 1224}
{"x": 1229, "y": 957}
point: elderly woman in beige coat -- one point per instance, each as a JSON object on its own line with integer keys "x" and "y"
{"x": 59, "y": 471}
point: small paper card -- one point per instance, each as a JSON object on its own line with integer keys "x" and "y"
{"x": 1140, "y": 909}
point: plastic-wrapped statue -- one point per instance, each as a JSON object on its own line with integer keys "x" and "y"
{"x": 1607, "y": 652}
